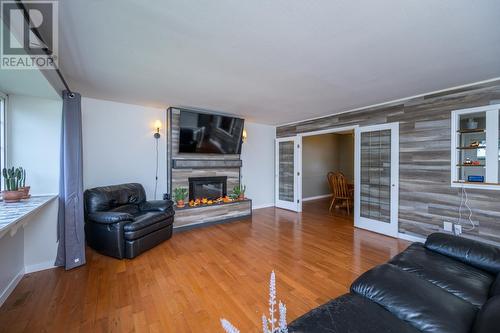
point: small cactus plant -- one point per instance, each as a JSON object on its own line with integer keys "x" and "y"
{"x": 239, "y": 191}
{"x": 13, "y": 178}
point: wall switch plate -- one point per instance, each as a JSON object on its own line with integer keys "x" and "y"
{"x": 458, "y": 229}
{"x": 448, "y": 226}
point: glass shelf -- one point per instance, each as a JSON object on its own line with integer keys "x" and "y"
{"x": 479, "y": 147}
{"x": 473, "y": 130}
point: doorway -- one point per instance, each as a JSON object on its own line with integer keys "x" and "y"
{"x": 375, "y": 178}
{"x": 325, "y": 155}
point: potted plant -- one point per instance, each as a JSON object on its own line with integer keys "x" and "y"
{"x": 239, "y": 191}
{"x": 180, "y": 194}
{"x": 22, "y": 184}
{"x": 12, "y": 178}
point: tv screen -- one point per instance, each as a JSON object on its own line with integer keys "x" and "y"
{"x": 209, "y": 133}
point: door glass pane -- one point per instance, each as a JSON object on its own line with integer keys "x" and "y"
{"x": 286, "y": 176}
{"x": 376, "y": 175}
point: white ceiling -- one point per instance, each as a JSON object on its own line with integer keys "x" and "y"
{"x": 25, "y": 82}
{"x": 276, "y": 61}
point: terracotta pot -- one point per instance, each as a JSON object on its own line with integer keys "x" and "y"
{"x": 26, "y": 191}
{"x": 12, "y": 196}
{"x": 180, "y": 203}
{"x": 241, "y": 196}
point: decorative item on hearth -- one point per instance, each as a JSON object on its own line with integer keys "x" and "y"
{"x": 180, "y": 194}
{"x": 12, "y": 180}
{"x": 271, "y": 324}
{"x": 239, "y": 192}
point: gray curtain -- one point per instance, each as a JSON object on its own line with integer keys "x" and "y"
{"x": 71, "y": 236}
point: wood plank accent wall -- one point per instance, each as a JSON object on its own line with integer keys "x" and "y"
{"x": 214, "y": 213}
{"x": 202, "y": 164}
{"x": 426, "y": 198}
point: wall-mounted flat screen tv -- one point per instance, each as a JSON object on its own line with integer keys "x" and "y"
{"x": 209, "y": 133}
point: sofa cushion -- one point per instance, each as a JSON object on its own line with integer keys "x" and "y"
{"x": 422, "y": 304}
{"x": 488, "y": 319}
{"x": 495, "y": 287}
{"x": 129, "y": 209}
{"x": 135, "y": 234}
{"x": 477, "y": 254}
{"x": 464, "y": 281}
{"x": 145, "y": 219}
{"x": 108, "y": 197}
{"x": 349, "y": 313}
{"x": 165, "y": 206}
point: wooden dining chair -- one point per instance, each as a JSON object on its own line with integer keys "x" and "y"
{"x": 340, "y": 189}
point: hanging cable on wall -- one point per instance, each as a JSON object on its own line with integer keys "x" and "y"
{"x": 464, "y": 201}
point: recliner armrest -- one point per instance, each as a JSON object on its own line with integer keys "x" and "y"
{"x": 110, "y": 217}
{"x": 156, "y": 206}
{"x": 471, "y": 252}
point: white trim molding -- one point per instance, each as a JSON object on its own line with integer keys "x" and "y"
{"x": 411, "y": 238}
{"x": 267, "y": 205}
{"x": 11, "y": 286}
{"x": 317, "y": 197}
{"x": 39, "y": 267}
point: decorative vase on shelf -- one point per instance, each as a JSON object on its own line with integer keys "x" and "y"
{"x": 471, "y": 124}
{"x": 12, "y": 196}
{"x": 26, "y": 191}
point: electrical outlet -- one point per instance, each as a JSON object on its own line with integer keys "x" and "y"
{"x": 448, "y": 226}
{"x": 458, "y": 229}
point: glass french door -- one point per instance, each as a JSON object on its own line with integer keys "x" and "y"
{"x": 377, "y": 178}
{"x": 288, "y": 168}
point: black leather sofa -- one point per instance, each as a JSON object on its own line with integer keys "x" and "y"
{"x": 119, "y": 222}
{"x": 447, "y": 285}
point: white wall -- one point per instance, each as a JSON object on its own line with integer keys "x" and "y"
{"x": 346, "y": 155}
{"x": 118, "y": 145}
{"x": 257, "y": 155}
{"x": 319, "y": 156}
{"x": 322, "y": 154}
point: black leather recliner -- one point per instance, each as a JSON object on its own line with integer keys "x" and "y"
{"x": 447, "y": 285}
{"x": 119, "y": 222}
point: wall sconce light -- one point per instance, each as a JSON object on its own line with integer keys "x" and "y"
{"x": 244, "y": 135}
{"x": 157, "y": 127}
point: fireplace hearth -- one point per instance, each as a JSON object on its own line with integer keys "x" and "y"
{"x": 207, "y": 187}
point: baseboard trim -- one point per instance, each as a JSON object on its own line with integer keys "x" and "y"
{"x": 39, "y": 267}
{"x": 263, "y": 206}
{"x": 316, "y": 197}
{"x": 411, "y": 238}
{"x": 10, "y": 287}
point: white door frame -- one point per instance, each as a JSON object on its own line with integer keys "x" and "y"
{"x": 390, "y": 229}
{"x": 296, "y": 205}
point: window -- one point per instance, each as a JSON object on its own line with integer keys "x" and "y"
{"x": 3, "y": 98}
{"x": 475, "y": 156}
{"x": 3, "y": 125}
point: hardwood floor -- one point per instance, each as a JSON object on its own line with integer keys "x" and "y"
{"x": 191, "y": 281}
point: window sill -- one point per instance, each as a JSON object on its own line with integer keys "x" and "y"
{"x": 480, "y": 186}
{"x": 14, "y": 215}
